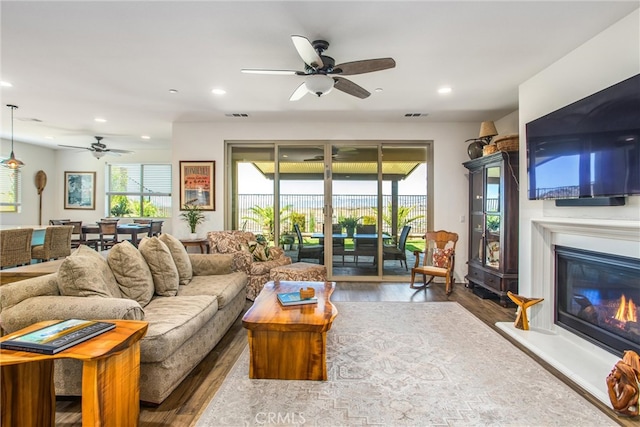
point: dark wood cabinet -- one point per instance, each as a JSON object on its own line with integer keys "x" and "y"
{"x": 493, "y": 223}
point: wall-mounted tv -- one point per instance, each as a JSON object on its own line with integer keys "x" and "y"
{"x": 588, "y": 149}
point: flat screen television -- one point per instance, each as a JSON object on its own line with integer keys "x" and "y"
{"x": 588, "y": 149}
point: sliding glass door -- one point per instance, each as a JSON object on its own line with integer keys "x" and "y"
{"x": 343, "y": 204}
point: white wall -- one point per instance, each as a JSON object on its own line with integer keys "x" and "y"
{"x": 608, "y": 58}
{"x": 205, "y": 141}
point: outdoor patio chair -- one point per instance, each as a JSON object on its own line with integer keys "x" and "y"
{"x": 308, "y": 251}
{"x": 365, "y": 246}
{"x": 442, "y": 245}
{"x": 398, "y": 252}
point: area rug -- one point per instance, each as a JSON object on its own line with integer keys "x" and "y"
{"x": 407, "y": 364}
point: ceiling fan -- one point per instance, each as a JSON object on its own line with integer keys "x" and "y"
{"x": 323, "y": 74}
{"x": 98, "y": 149}
{"x": 336, "y": 154}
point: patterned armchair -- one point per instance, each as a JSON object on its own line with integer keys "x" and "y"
{"x": 237, "y": 242}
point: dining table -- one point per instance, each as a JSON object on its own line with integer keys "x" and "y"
{"x": 129, "y": 228}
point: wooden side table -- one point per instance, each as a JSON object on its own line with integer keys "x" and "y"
{"x": 110, "y": 379}
{"x": 203, "y": 244}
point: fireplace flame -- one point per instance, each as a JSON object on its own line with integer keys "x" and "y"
{"x": 627, "y": 312}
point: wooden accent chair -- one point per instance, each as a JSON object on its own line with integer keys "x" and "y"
{"x": 442, "y": 245}
{"x": 398, "y": 252}
{"x": 15, "y": 247}
{"x": 308, "y": 251}
{"x": 57, "y": 244}
{"x": 108, "y": 234}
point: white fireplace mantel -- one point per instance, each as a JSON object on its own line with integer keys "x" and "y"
{"x": 581, "y": 361}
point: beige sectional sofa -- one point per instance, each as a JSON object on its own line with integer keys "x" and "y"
{"x": 189, "y": 300}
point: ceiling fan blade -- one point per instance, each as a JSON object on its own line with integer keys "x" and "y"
{"x": 113, "y": 150}
{"x": 347, "y": 86}
{"x": 273, "y": 72}
{"x": 307, "y": 52}
{"x": 114, "y": 153}
{"x": 364, "y": 66}
{"x": 74, "y": 146}
{"x": 299, "y": 92}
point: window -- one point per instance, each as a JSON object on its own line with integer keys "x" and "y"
{"x": 139, "y": 190}
{"x": 10, "y": 190}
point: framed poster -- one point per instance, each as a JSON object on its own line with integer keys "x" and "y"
{"x": 79, "y": 190}
{"x": 197, "y": 184}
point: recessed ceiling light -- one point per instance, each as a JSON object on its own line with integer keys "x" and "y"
{"x": 100, "y": 120}
{"x": 444, "y": 89}
{"x": 218, "y": 91}
{"x": 5, "y": 84}
{"x": 173, "y": 90}
{"x": 379, "y": 89}
{"x": 49, "y": 137}
{"x": 145, "y": 137}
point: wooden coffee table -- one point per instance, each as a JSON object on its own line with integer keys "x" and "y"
{"x": 289, "y": 343}
{"x": 110, "y": 379}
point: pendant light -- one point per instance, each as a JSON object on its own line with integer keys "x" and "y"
{"x": 12, "y": 162}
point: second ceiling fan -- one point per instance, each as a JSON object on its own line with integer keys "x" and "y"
{"x": 323, "y": 74}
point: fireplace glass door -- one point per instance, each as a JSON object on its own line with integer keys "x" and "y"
{"x": 597, "y": 297}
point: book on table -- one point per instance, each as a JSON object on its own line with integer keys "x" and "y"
{"x": 57, "y": 337}
{"x": 293, "y": 298}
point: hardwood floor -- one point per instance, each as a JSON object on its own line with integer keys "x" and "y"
{"x": 186, "y": 403}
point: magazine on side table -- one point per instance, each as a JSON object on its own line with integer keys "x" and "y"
{"x": 57, "y": 337}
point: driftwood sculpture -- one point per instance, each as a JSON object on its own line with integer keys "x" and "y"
{"x": 522, "y": 322}
{"x": 622, "y": 384}
{"x": 41, "y": 182}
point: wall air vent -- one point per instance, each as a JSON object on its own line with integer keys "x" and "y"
{"x": 416, "y": 114}
{"x": 237, "y": 115}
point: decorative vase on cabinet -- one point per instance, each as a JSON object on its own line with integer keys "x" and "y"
{"x": 493, "y": 223}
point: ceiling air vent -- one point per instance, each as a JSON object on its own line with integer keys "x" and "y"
{"x": 416, "y": 114}
{"x": 237, "y": 115}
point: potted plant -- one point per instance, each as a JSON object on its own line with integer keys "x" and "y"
{"x": 349, "y": 223}
{"x": 193, "y": 215}
{"x": 287, "y": 240}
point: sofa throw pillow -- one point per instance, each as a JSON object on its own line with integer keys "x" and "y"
{"x": 131, "y": 272}
{"x": 160, "y": 262}
{"x": 260, "y": 249}
{"x": 180, "y": 257}
{"x": 441, "y": 257}
{"x": 85, "y": 273}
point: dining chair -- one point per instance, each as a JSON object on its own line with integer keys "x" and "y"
{"x": 365, "y": 246}
{"x": 398, "y": 252}
{"x": 144, "y": 221}
{"x": 308, "y": 251}
{"x": 57, "y": 244}
{"x": 78, "y": 237}
{"x": 156, "y": 228}
{"x": 442, "y": 245}
{"x": 15, "y": 247}
{"x": 58, "y": 221}
{"x": 108, "y": 234}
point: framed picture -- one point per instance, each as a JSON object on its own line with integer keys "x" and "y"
{"x": 197, "y": 184}
{"x": 79, "y": 190}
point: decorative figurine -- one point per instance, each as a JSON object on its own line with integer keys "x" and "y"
{"x": 622, "y": 384}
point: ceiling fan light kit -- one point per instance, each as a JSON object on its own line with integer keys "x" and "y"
{"x": 319, "y": 84}
{"x": 99, "y": 150}
{"x": 320, "y": 68}
{"x": 12, "y": 162}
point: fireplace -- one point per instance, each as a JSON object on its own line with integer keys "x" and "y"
{"x": 597, "y": 297}
{"x": 578, "y": 358}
